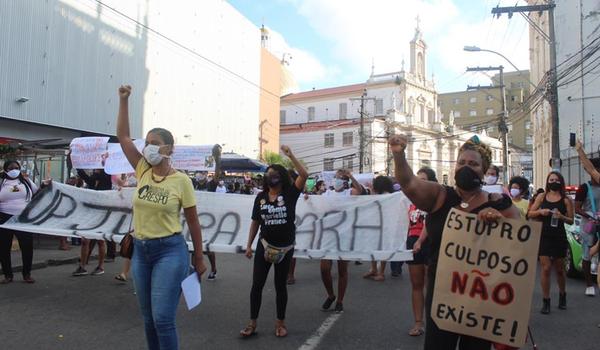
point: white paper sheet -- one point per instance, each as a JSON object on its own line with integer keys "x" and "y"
{"x": 191, "y": 291}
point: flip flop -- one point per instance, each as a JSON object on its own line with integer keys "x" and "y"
{"x": 248, "y": 331}
{"x": 121, "y": 277}
{"x": 281, "y": 331}
{"x": 416, "y": 331}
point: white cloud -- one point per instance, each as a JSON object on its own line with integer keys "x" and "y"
{"x": 382, "y": 29}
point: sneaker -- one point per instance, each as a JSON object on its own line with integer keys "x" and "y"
{"x": 327, "y": 304}
{"x": 98, "y": 271}
{"x": 339, "y": 308}
{"x": 212, "y": 276}
{"x": 590, "y": 291}
{"x": 80, "y": 272}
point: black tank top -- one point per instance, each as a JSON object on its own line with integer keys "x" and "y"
{"x": 436, "y": 220}
{"x": 547, "y": 220}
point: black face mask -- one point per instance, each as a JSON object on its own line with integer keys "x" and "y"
{"x": 467, "y": 179}
{"x": 554, "y": 186}
{"x": 273, "y": 180}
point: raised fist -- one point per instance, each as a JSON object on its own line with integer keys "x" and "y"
{"x": 398, "y": 143}
{"x": 286, "y": 150}
{"x": 124, "y": 91}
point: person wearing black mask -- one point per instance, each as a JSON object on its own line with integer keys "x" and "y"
{"x": 554, "y": 209}
{"x": 474, "y": 159}
{"x": 274, "y": 212}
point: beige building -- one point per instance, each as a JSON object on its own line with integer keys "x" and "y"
{"x": 480, "y": 110}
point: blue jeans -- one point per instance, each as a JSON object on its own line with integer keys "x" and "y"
{"x": 158, "y": 267}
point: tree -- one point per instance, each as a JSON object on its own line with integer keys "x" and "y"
{"x": 276, "y": 158}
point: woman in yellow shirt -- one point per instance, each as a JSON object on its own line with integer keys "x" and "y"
{"x": 518, "y": 187}
{"x": 160, "y": 253}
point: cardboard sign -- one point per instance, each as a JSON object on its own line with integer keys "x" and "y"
{"x": 485, "y": 277}
{"x": 88, "y": 152}
{"x": 195, "y": 158}
{"x": 116, "y": 162}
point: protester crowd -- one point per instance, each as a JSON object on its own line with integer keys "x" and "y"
{"x": 161, "y": 260}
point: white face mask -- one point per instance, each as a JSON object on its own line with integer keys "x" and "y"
{"x": 338, "y": 184}
{"x": 152, "y": 155}
{"x": 13, "y": 174}
{"x": 490, "y": 180}
{"x": 514, "y": 192}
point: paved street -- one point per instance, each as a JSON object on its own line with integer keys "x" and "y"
{"x": 64, "y": 312}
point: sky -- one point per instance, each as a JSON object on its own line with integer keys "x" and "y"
{"x": 335, "y": 42}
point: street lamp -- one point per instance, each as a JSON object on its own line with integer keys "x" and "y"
{"x": 478, "y": 49}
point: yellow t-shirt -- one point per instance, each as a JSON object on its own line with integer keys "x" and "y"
{"x": 157, "y": 206}
{"x": 522, "y": 205}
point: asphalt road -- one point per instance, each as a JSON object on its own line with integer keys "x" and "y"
{"x": 98, "y": 312}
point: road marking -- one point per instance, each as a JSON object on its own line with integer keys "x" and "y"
{"x": 312, "y": 342}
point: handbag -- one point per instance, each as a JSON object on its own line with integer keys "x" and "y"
{"x": 126, "y": 245}
{"x": 274, "y": 255}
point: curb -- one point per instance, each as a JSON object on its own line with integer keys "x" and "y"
{"x": 50, "y": 262}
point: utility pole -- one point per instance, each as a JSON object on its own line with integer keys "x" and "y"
{"x": 552, "y": 94}
{"x": 261, "y": 140}
{"x": 502, "y": 126}
{"x": 361, "y": 135}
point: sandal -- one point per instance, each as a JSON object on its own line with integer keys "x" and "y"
{"x": 417, "y": 330}
{"x": 121, "y": 277}
{"x": 281, "y": 331}
{"x": 249, "y": 331}
{"x": 28, "y": 279}
{"x": 6, "y": 280}
{"x": 370, "y": 274}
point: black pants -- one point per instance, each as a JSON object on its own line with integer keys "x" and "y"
{"x": 259, "y": 277}
{"x": 111, "y": 249}
{"x": 437, "y": 339}
{"x": 25, "y": 243}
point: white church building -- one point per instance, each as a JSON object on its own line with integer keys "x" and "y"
{"x": 323, "y": 126}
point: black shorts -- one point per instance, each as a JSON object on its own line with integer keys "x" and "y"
{"x": 419, "y": 258}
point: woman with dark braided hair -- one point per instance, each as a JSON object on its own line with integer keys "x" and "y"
{"x": 474, "y": 159}
{"x": 15, "y": 192}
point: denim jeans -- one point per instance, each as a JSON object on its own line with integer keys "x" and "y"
{"x": 158, "y": 267}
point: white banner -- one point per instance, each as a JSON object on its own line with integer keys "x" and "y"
{"x": 349, "y": 228}
{"x": 88, "y": 152}
{"x": 116, "y": 162}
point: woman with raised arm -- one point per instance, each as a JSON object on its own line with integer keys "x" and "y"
{"x": 587, "y": 164}
{"x": 274, "y": 212}
{"x": 160, "y": 253}
{"x": 474, "y": 159}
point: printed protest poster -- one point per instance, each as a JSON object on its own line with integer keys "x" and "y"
{"x": 365, "y": 179}
{"x": 485, "y": 277}
{"x": 193, "y": 158}
{"x": 116, "y": 163}
{"x": 328, "y": 177}
{"x": 88, "y": 152}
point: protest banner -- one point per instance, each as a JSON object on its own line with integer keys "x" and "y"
{"x": 116, "y": 163}
{"x": 493, "y": 189}
{"x": 350, "y": 228}
{"x": 485, "y": 277}
{"x": 327, "y": 177}
{"x": 365, "y": 179}
{"x": 88, "y": 152}
{"x": 194, "y": 158}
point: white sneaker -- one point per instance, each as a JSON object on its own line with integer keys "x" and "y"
{"x": 590, "y": 291}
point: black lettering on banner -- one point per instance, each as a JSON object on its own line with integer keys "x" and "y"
{"x": 51, "y": 210}
{"x": 233, "y": 233}
{"x": 506, "y": 230}
{"x": 107, "y": 214}
{"x": 470, "y": 220}
{"x": 524, "y": 233}
{"x": 379, "y": 227}
{"x": 451, "y": 217}
{"x": 332, "y": 228}
{"x": 203, "y": 226}
{"x": 313, "y": 227}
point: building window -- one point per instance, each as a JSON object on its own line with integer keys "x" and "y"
{"x": 347, "y": 138}
{"x": 328, "y": 164}
{"x": 282, "y": 117}
{"x": 491, "y": 129}
{"x": 513, "y": 98}
{"x": 527, "y": 125}
{"x": 328, "y": 141}
{"x": 379, "y": 106}
{"x": 472, "y": 113}
{"x": 472, "y": 99}
{"x": 348, "y": 162}
{"x": 343, "y": 110}
{"x": 456, "y": 101}
{"x": 489, "y": 111}
{"x": 311, "y": 114}
{"x": 456, "y": 114}
{"x": 528, "y": 140}
{"x": 489, "y": 98}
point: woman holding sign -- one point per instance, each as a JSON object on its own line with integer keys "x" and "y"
{"x": 274, "y": 212}
{"x": 554, "y": 209}
{"x": 160, "y": 252}
{"x": 474, "y": 159}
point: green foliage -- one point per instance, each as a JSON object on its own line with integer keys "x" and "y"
{"x": 276, "y": 158}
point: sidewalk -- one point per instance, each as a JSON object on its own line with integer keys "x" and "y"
{"x": 46, "y": 253}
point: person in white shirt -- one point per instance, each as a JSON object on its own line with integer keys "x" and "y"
{"x": 221, "y": 187}
{"x": 16, "y": 191}
{"x": 342, "y": 187}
